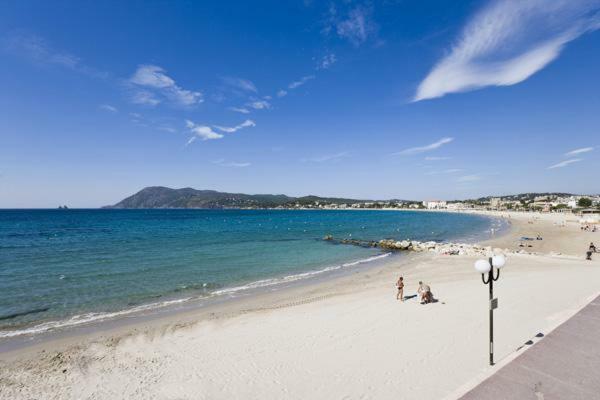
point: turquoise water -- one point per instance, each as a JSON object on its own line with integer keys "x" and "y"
{"x": 67, "y": 267}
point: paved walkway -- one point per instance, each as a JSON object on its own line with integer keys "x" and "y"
{"x": 564, "y": 365}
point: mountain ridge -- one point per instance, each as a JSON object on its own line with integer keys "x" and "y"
{"x": 164, "y": 197}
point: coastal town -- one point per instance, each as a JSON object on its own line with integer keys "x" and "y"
{"x": 551, "y": 202}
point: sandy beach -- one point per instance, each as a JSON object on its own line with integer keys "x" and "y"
{"x": 347, "y": 338}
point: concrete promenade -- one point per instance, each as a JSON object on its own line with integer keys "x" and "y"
{"x": 563, "y": 365}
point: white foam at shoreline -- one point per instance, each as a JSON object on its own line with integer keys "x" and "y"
{"x": 96, "y": 317}
{"x": 86, "y": 318}
{"x": 296, "y": 277}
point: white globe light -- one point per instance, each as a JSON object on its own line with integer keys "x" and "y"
{"x": 498, "y": 261}
{"x": 482, "y": 266}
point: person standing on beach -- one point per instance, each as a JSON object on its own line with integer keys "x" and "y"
{"x": 591, "y": 249}
{"x": 400, "y": 286}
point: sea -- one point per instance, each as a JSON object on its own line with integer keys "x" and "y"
{"x": 65, "y": 268}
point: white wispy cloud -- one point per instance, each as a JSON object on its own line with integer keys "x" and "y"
{"x": 357, "y": 26}
{"x": 144, "y": 97}
{"x": 282, "y": 93}
{"x": 233, "y": 164}
{"x": 300, "y": 82}
{"x": 259, "y": 104}
{"x": 469, "y": 178}
{"x": 507, "y": 42}
{"x": 240, "y": 110}
{"x": 429, "y": 147}
{"x": 579, "y": 151}
{"x": 445, "y": 171}
{"x": 166, "y": 128}
{"x": 240, "y": 83}
{"x": 328, "y": 157}
{"x": 154, "y": 81}
{"x": 565, "y": 163}
{"x": 437, "y": 158}
{"x": 109, "y": 108}
{"x": 327, "y": 61}
{"x": 39, "y": 51}
{"x": 203, "y": 132}
{"x": 246, "y": 124}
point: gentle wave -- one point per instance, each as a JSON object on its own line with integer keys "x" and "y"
{"x": 87, "y": 318}
{"x": 96, "y": 317}
{"x": 295, "y": 277}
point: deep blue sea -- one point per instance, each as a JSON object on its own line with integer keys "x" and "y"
{"x": 62, "y": 268}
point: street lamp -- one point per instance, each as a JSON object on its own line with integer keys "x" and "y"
{"x": 487, "y": 266}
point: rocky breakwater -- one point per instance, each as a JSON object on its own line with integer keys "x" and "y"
{"x": 417, "y": 246}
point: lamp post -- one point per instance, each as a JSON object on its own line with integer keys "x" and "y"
{"x": 487, "y": 267}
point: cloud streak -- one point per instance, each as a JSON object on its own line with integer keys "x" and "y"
{"x": 446, "y": 171}
{"x": 327, "y": 61}
{"x": 507, "y": 42}
{"x": 328, "y": 157}
{"x": 246, "y": 124}
{"x": 233, "y": 164}
{"x": 422, "y": 149}
{"x": 151, "y": 82}
{"x": 469, "y": 178}
{"x": 563, "y": 164}
{"x": 579, "y": 151}
{"x": 259, "y": 105}
{"x": 241, "y": 110}
{"x": 437, "y": 158}
{"x": 357, "y": 26}
{"x": 38, "y": 51}
{"x": 240, "y": 83}
{"x": 202, "y": 132}
{"x": 109, "y": 108}
{"x": 300, "y": 82}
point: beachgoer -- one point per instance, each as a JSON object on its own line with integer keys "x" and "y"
{"x": 400, "y": 286}
{"x": 425, "y": 291}
{"x": 591, "y": 249}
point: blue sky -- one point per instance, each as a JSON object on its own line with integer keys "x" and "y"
{"x": 388, "y": 99}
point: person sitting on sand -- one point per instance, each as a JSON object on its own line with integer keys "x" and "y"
{"x": 592, "y": 247}
{"x": 400, "y": 286}
{"x": 425, "y": 291}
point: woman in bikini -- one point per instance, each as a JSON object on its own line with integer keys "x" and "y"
{"x": 400, "y": 286}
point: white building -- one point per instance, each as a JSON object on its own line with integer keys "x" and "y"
{"x": 495, "y": 203}
{"x": 434, "y": 204}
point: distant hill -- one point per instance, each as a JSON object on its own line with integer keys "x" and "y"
{"x": 163, "y": 197}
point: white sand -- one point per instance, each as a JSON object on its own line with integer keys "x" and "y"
{"x": 347, "y": 339}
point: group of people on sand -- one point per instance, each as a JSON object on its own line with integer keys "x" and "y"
{"x": 588, "y": 228}
{"x": 424, "y": 291}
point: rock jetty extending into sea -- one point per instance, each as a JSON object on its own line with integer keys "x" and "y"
{"x": 414, "y": 245}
